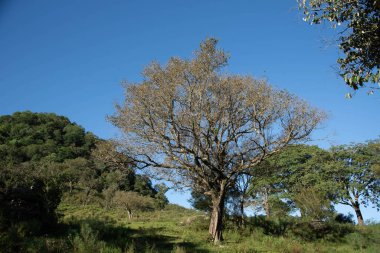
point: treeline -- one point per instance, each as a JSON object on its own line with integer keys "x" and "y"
{"x": 308, "y": 180}
{"x": 46, "y": 159}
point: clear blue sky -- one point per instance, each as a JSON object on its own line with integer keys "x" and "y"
{"x": 68, "y": 57}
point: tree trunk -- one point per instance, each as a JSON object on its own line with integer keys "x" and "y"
{"x": 266, "y": 203}
{"x": 358, "y": 213}
{"x": 129, "y": 211}
{"x": 241, "y": 212}
{"x": 267, "y": 209}
{"x": 87, "y": 194}
{"x": 216, "y": 222}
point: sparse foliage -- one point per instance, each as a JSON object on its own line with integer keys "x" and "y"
{"x": 313, "y": 204}
{"x": 201, "y": 128}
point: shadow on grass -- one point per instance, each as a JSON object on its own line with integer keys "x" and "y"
{"x": 135, "y": 240}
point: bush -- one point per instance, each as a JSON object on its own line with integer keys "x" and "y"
{"x": 87, "y": 241}
{"x": 278, "y": 227}
{"x": 305, "y": 230}
{"x": 342, "y": 218}
{"x": 312, "y": 230}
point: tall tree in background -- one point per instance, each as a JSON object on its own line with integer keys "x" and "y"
{"x": 359, "y": 184}
{"x": 264, "y": 185}
{"x": 359, "y": 39}
{"x": 241, "y": 187}
{"x": 289, "y": 174}
{"x": 201, "y": 128}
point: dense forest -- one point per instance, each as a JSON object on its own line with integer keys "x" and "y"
{"x": 47, "y": 160}
{"x": 60, "y": 186}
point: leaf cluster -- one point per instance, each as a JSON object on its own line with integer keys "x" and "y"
{"x": 359, "y": 39}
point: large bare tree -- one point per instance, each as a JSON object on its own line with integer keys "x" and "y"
{"x": 201, "y": 128}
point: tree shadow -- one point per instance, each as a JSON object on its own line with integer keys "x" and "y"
{"x": 141, "y": 240}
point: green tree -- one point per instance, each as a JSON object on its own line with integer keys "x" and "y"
{"x": 359, "y": 38}
{"x": 265, "y": 185}
{"x": 132, "y": 202}
{"x": 29, "y": 193}
{"x": 359, "y": 184}
{"x": 72, "y": 169}
{"x": 201, "y": 128}
{"x": 200, "y": 201}
{"x": 115, "y": 167}
{"x": 313, "y": 204}
{"x": 143, "y": 185}
{"x": 238, "y": 198}
{"x": 288, "y": 174}
{"x": 160, "y": 199}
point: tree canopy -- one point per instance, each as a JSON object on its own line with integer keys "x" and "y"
{"x": 27, "y": 136}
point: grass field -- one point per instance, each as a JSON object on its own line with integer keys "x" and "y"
{"x": 87, "y": 229}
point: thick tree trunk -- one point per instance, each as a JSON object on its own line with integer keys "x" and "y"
{"x": 216, "y": 222}
{"x": 358, "y": 213}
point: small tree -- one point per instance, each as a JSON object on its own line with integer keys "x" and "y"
{"x": 200, "y": 128}
{"x": 160, "y": 199}
{"x": 132, "y": 202}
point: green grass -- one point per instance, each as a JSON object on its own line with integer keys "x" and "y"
{"x": 175, "y": 229}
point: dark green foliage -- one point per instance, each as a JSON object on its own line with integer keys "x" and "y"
{"x": 284, "y": 177}
{"x": 346, "y": 219}
{"x": 305, "y": 230}
{"x": 27, "y": 136}
{"x": 160, "y": 199}
{"x": 28, "y": 202}
{"x": 26, "y": 196}
{"x": 115, "y": 167}
{"x": 279, "y": 207}
{"x": 143, "y": 185}
{"x": 314, "y": 230}
{"x": 35, "y": 169}
{"x": 277, "y": 227}
{"x": 200, "y": 201}
{"x": 45, "y": 156}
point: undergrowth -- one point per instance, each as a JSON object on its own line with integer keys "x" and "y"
{"x": 84, "y": 229}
